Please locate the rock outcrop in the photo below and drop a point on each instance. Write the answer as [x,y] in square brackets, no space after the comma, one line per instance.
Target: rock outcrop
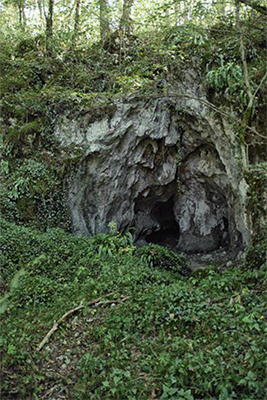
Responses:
[168,167]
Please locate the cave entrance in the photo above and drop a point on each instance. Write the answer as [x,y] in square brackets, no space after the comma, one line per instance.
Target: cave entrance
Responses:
[167,231]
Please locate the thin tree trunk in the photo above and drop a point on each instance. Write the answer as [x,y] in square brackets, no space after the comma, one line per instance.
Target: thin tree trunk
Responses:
[49,20]
[22,16]
[255,5]
[248,87]
[77,17]
[104,20]
[49,26]
[126,22]
[41,10]
[176,13]
[42,2]
[77,5]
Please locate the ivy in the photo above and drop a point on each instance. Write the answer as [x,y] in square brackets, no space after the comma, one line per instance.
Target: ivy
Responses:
[194,337]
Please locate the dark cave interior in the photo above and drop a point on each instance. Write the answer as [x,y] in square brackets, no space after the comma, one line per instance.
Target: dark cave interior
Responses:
[156,223]
[166,231]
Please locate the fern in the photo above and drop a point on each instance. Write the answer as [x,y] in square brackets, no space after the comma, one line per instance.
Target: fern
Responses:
[227,78]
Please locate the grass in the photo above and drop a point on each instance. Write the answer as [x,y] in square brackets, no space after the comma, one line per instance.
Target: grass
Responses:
[176,336]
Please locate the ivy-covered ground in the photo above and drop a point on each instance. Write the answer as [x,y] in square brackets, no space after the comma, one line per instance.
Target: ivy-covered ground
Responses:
[154,330]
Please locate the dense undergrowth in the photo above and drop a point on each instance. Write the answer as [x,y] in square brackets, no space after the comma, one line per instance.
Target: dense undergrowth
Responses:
[177,335]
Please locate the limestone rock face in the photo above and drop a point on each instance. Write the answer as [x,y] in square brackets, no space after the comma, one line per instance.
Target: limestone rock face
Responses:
[169,168]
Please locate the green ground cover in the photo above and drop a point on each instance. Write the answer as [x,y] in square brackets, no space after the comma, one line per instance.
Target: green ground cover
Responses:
[157,331]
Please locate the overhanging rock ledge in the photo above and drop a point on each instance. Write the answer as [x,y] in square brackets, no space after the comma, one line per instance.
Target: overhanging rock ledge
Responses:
[168,168]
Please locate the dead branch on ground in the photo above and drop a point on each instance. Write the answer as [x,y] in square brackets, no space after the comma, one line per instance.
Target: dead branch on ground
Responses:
[95,302]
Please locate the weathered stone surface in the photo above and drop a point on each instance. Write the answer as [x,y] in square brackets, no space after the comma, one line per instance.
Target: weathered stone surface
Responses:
[169,168]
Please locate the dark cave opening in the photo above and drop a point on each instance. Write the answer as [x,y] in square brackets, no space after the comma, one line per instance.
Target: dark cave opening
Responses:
[158,218]
[224,234]
[168,232]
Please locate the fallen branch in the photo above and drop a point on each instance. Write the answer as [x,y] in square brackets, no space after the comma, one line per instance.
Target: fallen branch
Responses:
[94,302]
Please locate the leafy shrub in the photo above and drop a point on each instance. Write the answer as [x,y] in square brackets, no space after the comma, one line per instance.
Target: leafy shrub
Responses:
[20,246]
[228,79]
[56,254]
[256,254]
[256,177]
[33,290]
[29,189]
[113,243]
[161,257]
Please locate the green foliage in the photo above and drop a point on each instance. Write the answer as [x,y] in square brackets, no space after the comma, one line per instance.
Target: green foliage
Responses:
[256,253]
[113,243]
[161,257]
[27,190]
[195,338]
[228,79]
[201,355]
[21,246]
[186,37]
[256,177]
[14,285]
[33,290]
[228,76]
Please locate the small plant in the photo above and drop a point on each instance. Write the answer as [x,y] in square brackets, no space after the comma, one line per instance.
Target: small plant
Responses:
[30,189]
[114,243]
[256,254]
[228,79]
[161,257]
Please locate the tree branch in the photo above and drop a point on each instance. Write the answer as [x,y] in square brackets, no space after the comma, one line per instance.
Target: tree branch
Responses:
[260,84]
[95,302]
[255,5]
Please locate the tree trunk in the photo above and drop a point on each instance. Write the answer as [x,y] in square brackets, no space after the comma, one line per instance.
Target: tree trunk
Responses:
[41,10]
[248,112]
[49,26]
[104,20]
[77,17]
[76,26]
[126,22]
[255,5]
[42,2]
[176,13]
[22,15]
